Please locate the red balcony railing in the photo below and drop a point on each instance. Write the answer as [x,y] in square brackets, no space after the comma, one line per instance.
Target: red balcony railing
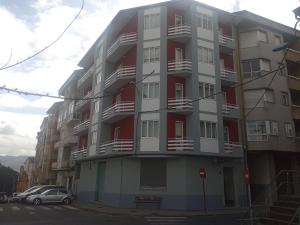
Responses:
[180,144]
[123,72]
[116,146]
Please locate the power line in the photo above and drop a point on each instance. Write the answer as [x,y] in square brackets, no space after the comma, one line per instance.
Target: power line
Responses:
[47,46]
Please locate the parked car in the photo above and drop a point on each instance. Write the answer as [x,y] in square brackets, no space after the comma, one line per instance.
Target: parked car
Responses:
[54,195]
[3,197]
[37,190]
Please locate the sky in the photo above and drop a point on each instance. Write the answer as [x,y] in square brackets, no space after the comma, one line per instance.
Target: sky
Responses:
[29,25]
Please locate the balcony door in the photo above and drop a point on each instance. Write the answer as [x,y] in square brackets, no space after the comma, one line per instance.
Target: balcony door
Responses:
[117,133]
[226,135]
[118,99]
[179,129]
[178,20]
[178,54]
[179,90]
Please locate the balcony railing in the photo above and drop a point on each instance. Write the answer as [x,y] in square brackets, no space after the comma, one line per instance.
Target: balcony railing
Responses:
[227,108]
[70,140]
[81,126]
[224,39]
[294,82]
[179,30]
[180,66]
[232,146]
[180,104]
[116,146]
[79,154]
[121,107]
[124,39]
[85,76]
[83,101]
[228,74]
[123,72]
[180,144]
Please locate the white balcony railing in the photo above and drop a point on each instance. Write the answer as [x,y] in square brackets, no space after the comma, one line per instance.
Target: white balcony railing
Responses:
[85,76]
[227,108]
[83,101]
[81,126]
[177,66]
[180,104]
[180,144]
[224,39]
[232,146]
[79,154]
[227,73]
[122,145]
[122,40]
[121,107]
[122,72]
[179,30]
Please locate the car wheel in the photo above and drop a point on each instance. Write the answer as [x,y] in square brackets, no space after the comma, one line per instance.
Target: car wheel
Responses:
[67,201]
[37,201]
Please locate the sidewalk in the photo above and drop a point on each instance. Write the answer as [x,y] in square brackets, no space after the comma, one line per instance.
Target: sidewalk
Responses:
[98,207]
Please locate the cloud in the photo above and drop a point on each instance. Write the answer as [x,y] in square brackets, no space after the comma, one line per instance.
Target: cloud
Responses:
[7,130]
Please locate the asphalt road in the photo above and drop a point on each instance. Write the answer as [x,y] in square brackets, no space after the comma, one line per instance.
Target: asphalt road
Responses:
[23,214]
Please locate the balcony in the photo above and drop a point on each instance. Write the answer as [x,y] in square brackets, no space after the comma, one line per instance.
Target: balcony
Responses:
[184,66]
[296,112]
[70,141]
[86,99]
[180,144]
[120,46]
[232,147]
[182,105]
[85,77]
[228,76]
[230,111]
[72,118]
[181,33]
[124,146]
[120,77]
[118,111]
[294,82]
[81,127]
[79,154]
[226,41]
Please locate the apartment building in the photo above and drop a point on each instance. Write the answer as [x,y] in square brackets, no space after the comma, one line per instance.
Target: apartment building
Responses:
[270,103]
[29,169]
[147,119]
[46,154]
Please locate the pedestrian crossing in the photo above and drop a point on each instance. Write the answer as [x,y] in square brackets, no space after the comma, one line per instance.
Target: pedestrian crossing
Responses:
[31,210]
[167,220]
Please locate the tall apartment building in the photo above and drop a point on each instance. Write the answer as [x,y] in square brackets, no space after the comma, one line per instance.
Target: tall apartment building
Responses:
[148,134]
[46,154]
[29,169]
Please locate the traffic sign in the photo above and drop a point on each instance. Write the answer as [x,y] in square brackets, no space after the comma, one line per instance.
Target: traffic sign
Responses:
[202,173]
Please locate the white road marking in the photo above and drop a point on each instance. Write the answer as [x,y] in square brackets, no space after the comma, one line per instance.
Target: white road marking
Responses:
[30,207]
[45,207]
[70,207]
[1,209]
[15,208]
[57,207]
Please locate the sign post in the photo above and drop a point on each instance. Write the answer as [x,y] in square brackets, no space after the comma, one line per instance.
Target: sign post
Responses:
[202,174]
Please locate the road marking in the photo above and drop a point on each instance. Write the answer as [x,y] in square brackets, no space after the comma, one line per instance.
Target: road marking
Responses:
[31,213]
[45,207]
[70,207]
[1,209]
[15,208]
[57,207]
[30,208]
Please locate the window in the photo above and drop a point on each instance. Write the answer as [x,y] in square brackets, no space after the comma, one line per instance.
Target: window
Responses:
[285,98]
[204,21]
[269,96]
[178,20]
[62,191]
[117,133]
[179,90]
[96,107]
[150,90]
[179,129]
[149,128]
[226,135]
[288,129]
[277,40]
[52,192]
[94,137]
[254,68]
[151,21]
[257,131]
[262,36]
[273,128]
[153,173]
[151,54]
[205,55]
[208,129]
[206,90]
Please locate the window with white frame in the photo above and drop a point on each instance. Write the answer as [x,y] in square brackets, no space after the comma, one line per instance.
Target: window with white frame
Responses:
[269,96]
[150,90]
[204,21]
[205,55]
[151,21]
[262,36]
[150,128]
[94,137]
[179,90]
[151,54]
[71,107]
[208,129]
[285,98]
[288,129]
[206,90]
[257,131]
[179,129]
[96,106]
[277,40]
[178,20]
[253,68]
[273,128]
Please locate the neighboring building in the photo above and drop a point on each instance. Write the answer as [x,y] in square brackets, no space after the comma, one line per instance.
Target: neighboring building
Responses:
[29,169]
[46,154]
[8,180]
[22,183]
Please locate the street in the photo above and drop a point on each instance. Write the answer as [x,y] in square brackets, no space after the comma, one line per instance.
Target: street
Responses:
[23,214]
